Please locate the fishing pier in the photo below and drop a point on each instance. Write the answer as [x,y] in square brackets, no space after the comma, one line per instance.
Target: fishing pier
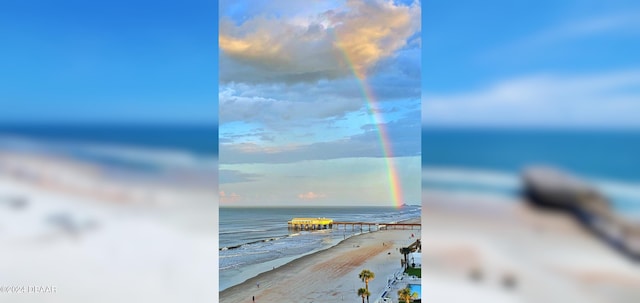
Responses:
[310,223]
[325,223]
[376,225]
[550,188]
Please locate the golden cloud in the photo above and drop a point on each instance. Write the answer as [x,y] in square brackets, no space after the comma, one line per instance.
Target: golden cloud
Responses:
[332,44]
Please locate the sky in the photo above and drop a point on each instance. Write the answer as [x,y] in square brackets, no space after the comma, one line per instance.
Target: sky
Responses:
[304,88]
[531,64]
[134,61]
[319,102]
[560,63]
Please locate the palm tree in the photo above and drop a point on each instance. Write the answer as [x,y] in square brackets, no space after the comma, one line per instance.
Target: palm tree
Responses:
[363,292]
[406,295]
[405,251]
[366,276]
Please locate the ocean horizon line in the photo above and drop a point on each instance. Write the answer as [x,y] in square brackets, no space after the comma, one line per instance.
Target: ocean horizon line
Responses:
[312,206]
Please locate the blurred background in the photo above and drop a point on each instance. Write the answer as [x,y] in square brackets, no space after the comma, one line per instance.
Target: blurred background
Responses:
[108,151]
[531,179]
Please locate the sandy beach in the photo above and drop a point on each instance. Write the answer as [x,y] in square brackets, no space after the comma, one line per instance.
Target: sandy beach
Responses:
[65,224]
[474,244]
[330,275]
[69,226]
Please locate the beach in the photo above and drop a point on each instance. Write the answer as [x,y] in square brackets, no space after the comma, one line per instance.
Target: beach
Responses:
[70,226]
[485,248]
[330,275]
[251,247]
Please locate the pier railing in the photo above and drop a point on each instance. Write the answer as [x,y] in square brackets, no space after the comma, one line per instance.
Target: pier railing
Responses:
[379,226]
[325,223]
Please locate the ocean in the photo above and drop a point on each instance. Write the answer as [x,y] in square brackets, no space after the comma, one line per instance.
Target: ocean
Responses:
[176,157]
[197,139]
[158,152]
[454,160]
[490,161]
[146,151]
[253,240]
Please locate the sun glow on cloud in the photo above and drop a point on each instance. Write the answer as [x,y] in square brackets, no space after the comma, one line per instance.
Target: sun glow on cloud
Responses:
[291,97]
[366,31]
[228,198]
[374,32]
[311,196]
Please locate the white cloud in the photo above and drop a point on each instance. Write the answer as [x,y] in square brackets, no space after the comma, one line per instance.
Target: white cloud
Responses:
[619,23]
[327,46]
[239,102]
[599,100]
[403,135]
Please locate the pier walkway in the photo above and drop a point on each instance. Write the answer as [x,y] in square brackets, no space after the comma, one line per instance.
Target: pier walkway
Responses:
[326,223]
[336,225]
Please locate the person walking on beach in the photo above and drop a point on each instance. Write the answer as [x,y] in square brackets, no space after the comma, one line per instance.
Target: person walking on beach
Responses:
[253,298]
[258,285]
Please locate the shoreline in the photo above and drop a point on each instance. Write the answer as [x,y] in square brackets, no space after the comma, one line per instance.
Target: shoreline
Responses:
[277,263]
[263,267]
[358,251]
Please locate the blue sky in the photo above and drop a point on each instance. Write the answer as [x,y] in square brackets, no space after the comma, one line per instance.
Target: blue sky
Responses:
[295,125]
[145,60]
[556,64]
[108,61]
[285,103]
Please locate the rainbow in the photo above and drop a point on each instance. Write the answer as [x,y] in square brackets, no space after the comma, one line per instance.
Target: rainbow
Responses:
[395,188]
